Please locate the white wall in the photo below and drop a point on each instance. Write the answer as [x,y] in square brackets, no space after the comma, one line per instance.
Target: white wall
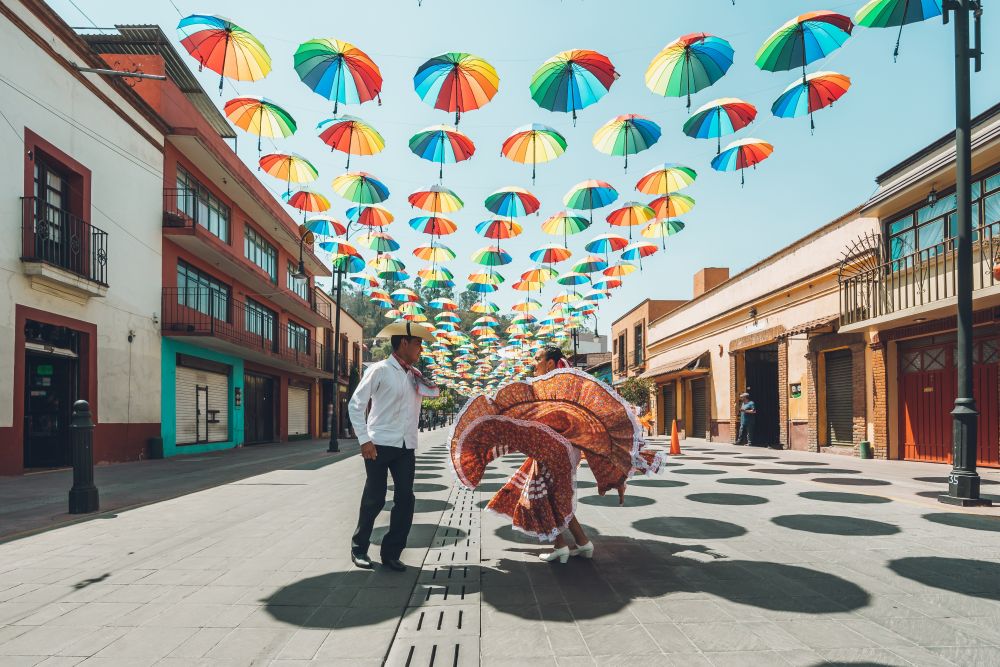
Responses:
[126,195]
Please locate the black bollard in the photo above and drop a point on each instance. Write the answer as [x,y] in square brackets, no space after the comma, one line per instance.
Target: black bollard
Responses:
[83,496]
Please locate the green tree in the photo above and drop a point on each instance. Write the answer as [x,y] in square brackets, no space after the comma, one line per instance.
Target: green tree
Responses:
[636,390]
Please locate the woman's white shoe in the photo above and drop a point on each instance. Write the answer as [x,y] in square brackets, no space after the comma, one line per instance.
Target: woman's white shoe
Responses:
[561,554]
[586,551]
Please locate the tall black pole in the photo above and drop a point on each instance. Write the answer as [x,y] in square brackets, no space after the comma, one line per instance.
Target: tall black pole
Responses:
[335,416]
[963,482]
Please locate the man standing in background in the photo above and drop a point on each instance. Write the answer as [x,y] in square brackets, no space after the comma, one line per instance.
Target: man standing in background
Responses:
[748,414]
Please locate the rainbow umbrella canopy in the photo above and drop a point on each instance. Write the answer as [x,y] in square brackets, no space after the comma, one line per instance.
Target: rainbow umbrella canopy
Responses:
[718,118]
[338,71]
[666,178]
[671,205]
[564,224]
[224,47]
[371,215]
[491,256]
[325,225]
[260,116]
[436,199]
[589,195]
[631,214]
[442,144]
[456,82]
[572,80]
[534,144]
[818,91]
[288,167]
[626,135]
[893,13]
[361,188]
[498,229]
[350,135]
[511,202]
[308,201]
[688,64]
[742,154]
[803,40]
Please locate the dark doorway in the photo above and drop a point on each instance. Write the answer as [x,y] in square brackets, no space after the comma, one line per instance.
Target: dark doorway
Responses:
[50,389]
[669,409]
[839,398]
[699,408]
[762,384]
[258,409]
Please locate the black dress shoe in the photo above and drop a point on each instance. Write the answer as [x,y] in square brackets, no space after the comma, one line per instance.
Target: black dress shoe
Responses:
[362,561]
[394,564]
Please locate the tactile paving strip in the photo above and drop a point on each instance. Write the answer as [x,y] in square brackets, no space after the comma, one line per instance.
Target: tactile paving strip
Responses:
[441,624]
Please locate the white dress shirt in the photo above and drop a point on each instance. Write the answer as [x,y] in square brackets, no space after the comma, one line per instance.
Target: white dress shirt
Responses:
[395,406]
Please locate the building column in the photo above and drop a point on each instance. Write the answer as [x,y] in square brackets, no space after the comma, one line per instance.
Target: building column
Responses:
[783,435]
[812,401]
[734,393]
[859,424]
[880,402]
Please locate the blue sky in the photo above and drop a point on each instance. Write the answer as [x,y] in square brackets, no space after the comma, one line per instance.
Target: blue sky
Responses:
[891,111]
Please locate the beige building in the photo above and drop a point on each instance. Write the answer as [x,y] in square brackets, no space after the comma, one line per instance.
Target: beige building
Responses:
[628,337]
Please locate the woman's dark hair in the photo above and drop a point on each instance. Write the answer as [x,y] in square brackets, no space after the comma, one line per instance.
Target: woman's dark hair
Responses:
[552,353]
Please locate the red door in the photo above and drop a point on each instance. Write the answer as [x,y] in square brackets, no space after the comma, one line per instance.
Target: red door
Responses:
[927,389]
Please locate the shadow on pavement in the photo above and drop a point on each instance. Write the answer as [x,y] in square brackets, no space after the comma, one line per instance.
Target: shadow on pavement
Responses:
[611,500]
[830,524]
[750,481]
[980,579]
[852,481]
[840,497]
[656,483]
[698,471]
[421,534]
[944,480]
[727,499]
[970,521]
[689,528]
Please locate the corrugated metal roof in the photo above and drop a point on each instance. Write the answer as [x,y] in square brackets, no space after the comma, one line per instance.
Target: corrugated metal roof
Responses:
[148,40]
[811,325]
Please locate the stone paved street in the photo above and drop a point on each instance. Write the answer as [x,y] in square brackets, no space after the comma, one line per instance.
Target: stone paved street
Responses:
[733,556]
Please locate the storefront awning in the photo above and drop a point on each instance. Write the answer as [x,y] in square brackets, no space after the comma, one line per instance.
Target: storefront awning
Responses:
[812,325]
[695,363]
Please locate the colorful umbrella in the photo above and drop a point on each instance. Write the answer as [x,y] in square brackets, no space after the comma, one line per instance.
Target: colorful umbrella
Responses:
[610,283]
[550,253]
[361,188]
[589,195]
[661,229]
[434,225]
[720,117]
[535,144]
[485,307]
[442,144]
[572,80]
[619,270]
[526,306]
[631,214]
[486,278]
[350,135]
[456,82]
[260,116]
[512,202]
[606,243]
[289,167]
[443,303]
[378,241]
[563,224]
[347,263]
[742,154]
[590,264]
[339,248]
[404,295]
[373,215]
[804,39]
[892,13]
[338,71]
[430,252]
[224,47]
[369,281]
[491,256]
[573,278]
[308,201]
[671,205]
[638,250]
[498,229]
[325,225]
[666,178]
[626,135]
[818,91]
[689,64]
[436,199]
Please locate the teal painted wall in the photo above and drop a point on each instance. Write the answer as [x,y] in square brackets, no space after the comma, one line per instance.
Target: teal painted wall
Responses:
[168,398]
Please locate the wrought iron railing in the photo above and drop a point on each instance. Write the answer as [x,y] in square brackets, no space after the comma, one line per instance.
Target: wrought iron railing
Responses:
[918,279]
[207,312]
[55,236]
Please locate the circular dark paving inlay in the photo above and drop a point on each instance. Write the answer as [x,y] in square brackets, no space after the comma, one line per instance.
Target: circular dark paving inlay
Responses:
[750,481]
[830,524]
[656,483]
[732,463]
[697,458]
[778,471]
[758,457]
[689,527]
[971,521]
[727,499]
[495,475]
[802,463]
[840,497]
[698,471]
[611,500]
[851,481]
[944,480]
[428,488]
[428,475]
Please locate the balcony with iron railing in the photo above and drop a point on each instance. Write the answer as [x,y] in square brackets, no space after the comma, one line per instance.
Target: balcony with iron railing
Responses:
[185,223]
[236,328]
[918,283]
[60,247]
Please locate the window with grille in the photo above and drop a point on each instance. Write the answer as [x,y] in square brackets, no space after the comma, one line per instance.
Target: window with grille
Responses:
[639,350]
[260,252]
[199,204]
[298,285]
[202,292]
[298,337]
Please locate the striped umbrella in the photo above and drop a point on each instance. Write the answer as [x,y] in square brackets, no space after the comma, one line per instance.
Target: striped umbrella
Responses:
[378,241]
[626,135]
[260,116]
[572,80]
[436,199]
[818,91]
[442,144]
[224,47]
[350,135]
[534,144]
[671,205]
[892,13]
[689,64]
[742,154]
[589,195]
[720,117]
[666,178]
[288,167]
[802,40]
[456,82]
[361,188]
[338,71]
[511,202]
[631,214]
[325,225]
[372,215]
[661,229]
[563,224]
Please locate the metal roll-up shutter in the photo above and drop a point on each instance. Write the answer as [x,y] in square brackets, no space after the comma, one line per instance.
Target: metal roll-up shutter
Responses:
[699,409]
[669,407]
[298,411]
[202,406]
[839,398]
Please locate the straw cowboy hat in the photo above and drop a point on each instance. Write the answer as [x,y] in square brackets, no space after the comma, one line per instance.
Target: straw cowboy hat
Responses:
[412,329]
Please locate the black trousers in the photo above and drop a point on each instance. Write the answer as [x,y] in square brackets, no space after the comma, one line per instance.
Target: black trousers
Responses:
[401,463]
[746,432]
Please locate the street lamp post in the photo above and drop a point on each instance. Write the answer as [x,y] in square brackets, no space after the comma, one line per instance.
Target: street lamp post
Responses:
[963,482]
[335,415]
